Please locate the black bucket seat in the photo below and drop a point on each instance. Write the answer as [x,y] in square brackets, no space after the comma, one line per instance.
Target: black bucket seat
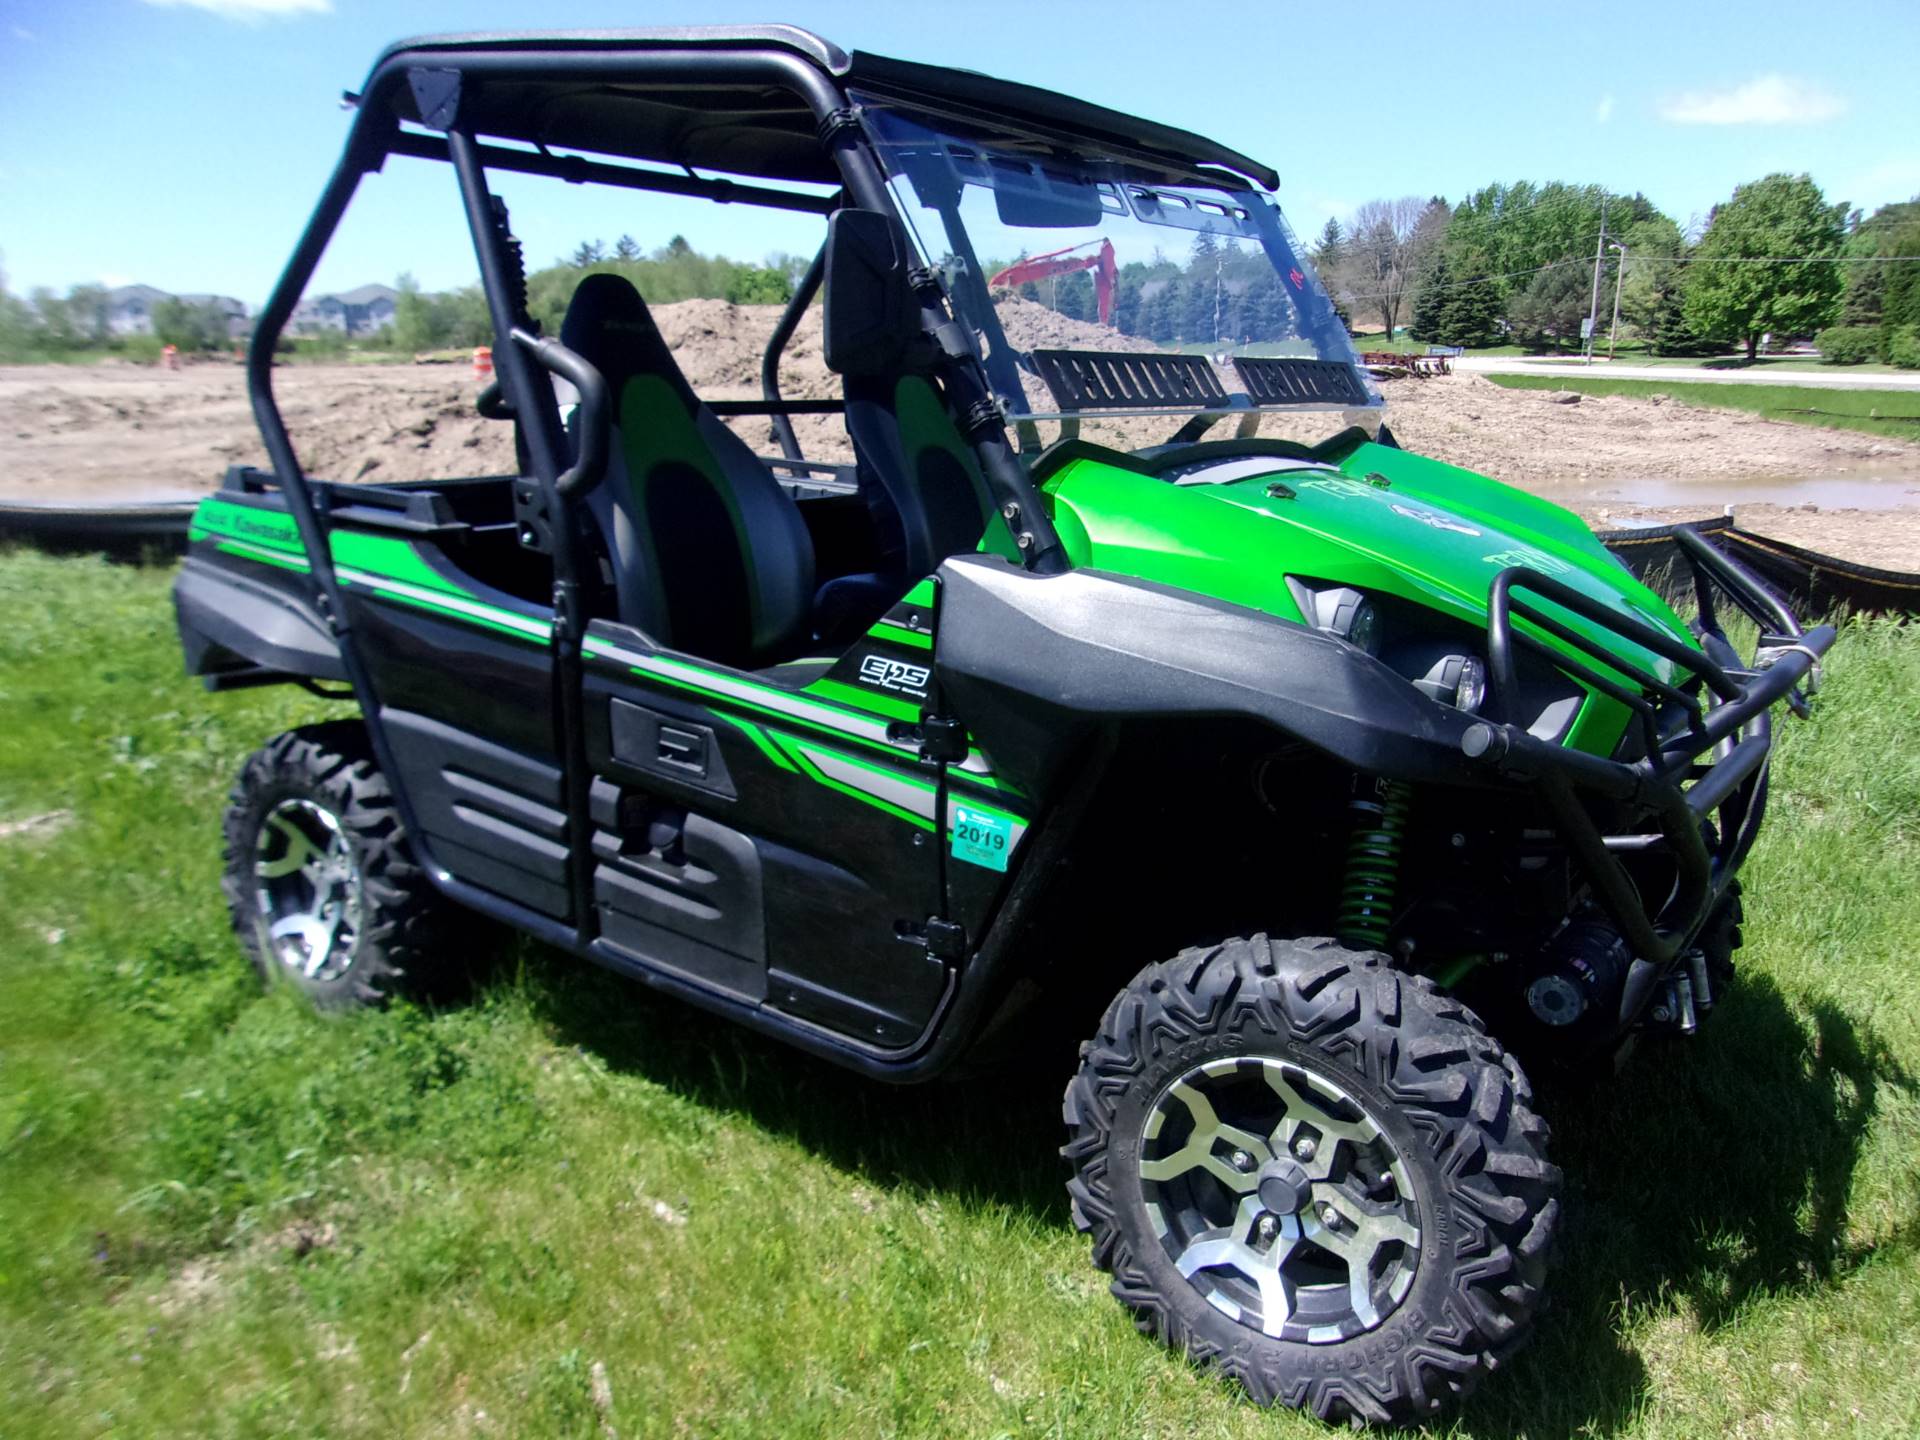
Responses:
[709,553]
[926,493]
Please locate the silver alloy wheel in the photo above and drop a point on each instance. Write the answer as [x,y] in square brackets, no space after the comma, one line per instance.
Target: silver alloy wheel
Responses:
[308,888]
[1280,1199]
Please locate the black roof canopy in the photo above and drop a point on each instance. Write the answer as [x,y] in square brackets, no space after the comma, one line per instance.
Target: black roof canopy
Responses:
[520,85]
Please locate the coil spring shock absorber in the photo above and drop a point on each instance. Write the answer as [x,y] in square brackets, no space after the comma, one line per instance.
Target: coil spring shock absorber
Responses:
[1379,811]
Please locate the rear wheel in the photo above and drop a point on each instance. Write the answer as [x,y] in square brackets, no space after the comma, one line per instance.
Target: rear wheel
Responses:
[1315,1173]
[322,887]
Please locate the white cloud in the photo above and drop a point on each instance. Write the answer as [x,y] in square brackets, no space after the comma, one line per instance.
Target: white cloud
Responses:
[1763,100]
[1603,112]
[250,10]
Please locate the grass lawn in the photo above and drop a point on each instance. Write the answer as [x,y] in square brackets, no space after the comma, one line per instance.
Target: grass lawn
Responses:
[1785,363]
[223,1215]
[1891,414]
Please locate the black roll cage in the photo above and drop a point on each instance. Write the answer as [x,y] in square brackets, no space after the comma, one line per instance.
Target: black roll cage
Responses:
[523,359]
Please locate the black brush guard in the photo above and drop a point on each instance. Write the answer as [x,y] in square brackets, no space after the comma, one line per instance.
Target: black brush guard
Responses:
[1702,775]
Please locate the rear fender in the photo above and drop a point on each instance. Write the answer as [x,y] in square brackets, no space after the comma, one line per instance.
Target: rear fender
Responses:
[234,625]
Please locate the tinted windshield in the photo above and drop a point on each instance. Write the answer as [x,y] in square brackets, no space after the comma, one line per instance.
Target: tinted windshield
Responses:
[1058,262]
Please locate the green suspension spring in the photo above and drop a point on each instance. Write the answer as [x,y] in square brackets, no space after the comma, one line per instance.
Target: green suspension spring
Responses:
[1379,810]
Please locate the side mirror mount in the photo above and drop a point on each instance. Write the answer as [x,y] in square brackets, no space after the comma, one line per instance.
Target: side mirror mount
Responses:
[871,316]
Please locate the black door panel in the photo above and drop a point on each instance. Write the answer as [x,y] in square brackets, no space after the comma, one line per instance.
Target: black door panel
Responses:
[491,814]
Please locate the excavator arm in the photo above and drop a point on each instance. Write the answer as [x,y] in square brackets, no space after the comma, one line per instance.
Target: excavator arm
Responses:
[1067,261]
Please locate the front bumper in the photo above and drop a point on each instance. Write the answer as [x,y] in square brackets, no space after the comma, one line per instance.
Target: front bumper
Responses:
[1703,775]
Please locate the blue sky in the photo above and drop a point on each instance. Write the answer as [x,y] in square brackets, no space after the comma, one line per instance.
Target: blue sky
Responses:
[182,143]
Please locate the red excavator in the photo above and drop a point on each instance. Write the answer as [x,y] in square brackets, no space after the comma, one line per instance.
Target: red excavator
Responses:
[1062,262]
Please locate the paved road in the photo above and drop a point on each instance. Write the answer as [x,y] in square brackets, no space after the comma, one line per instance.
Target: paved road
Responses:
[1764,375]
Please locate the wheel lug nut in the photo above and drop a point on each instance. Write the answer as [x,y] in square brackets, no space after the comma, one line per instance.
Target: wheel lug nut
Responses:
[1267,1227]
[1304,1147]
[1329,1217]
[1242,1160]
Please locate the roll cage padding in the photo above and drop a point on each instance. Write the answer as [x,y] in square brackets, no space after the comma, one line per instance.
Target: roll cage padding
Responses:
[708,550]
[1028,663]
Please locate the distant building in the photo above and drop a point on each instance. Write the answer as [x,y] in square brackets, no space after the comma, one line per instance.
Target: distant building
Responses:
[360,311]
[130,309]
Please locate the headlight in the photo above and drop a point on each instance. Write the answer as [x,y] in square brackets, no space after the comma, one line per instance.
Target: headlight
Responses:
[1471,693]
[1347,614]
[1456,680]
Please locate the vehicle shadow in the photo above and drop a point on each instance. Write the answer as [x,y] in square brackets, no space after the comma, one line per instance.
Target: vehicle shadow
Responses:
[1710,1174]
[991,1138]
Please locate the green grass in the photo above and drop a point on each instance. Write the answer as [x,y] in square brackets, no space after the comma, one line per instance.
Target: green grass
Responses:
[1763,363]
[222,1215]
[1891,414]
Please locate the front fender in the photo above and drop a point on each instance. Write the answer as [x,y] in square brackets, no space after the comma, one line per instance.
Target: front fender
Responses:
[1030,662]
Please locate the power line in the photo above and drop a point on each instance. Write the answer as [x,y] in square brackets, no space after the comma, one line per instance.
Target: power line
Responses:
[1785,259]
[1658,260]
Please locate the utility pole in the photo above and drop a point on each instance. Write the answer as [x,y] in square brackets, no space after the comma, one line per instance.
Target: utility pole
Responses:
[1599,249]
[1619,277]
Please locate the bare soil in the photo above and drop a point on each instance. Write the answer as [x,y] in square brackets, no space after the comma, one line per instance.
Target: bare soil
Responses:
[115,432]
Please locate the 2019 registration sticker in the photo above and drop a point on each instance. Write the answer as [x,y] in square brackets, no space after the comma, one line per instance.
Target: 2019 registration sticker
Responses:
[981,838]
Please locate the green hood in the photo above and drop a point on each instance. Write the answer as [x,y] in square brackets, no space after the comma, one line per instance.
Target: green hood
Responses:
[1381,520]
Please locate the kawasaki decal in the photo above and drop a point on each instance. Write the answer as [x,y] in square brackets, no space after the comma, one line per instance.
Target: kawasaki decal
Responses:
[269,537]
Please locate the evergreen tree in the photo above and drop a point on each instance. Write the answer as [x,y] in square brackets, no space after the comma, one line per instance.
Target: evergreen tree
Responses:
[1470,314]
[626,248]
[1326,250]
[1672,335]
[1430,301]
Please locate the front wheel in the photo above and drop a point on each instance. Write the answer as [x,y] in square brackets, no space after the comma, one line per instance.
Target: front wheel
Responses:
[1315,1173]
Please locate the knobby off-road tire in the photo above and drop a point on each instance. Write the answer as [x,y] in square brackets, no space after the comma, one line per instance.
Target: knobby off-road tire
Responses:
[1383,1070]
[315,850]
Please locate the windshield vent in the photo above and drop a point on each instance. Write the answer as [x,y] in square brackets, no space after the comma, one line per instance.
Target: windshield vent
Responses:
[1299,382]
[1122,380]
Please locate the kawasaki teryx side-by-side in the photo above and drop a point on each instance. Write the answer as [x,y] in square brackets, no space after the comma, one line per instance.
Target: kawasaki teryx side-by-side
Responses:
[885,757]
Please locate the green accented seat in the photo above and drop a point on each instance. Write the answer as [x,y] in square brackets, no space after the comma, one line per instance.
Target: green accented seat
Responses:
[709,553]
[928,497]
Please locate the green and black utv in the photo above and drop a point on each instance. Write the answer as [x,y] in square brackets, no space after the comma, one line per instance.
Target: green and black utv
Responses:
[1336,775]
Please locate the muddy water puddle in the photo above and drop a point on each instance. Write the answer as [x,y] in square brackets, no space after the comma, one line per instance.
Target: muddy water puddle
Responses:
[1892,488]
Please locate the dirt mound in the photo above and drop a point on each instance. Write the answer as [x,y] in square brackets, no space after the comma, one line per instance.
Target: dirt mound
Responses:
[134,432]
[1031,326]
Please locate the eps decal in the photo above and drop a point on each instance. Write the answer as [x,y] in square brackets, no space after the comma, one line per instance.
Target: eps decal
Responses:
[895,675]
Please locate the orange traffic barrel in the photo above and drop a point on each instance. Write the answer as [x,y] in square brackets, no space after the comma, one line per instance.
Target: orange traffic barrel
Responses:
[483,362]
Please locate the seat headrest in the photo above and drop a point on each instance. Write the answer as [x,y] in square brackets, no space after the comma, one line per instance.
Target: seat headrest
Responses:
[609,326]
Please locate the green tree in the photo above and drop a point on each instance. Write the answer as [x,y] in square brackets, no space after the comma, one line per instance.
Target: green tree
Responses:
[626,248]
[1470,314]
[1671,334]
[754,286]
[1430,299]
[1654,247]
[1766,263]
[19,326]
[190,327]
[414,325]
[1552,305]
[587,252]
